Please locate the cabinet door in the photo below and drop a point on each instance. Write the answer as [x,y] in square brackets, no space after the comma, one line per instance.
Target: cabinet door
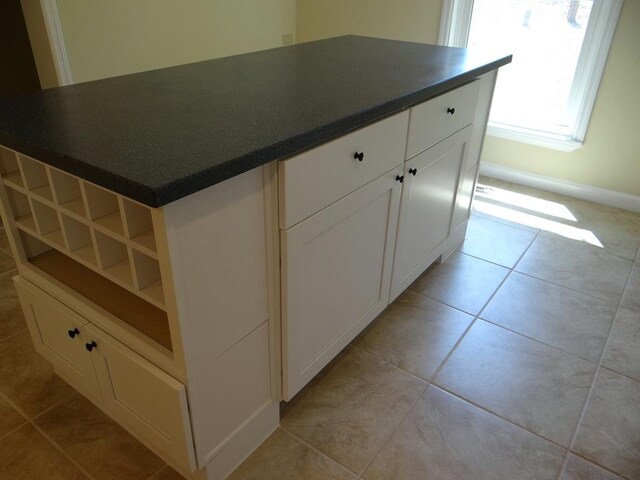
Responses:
[336,276]
[426,207]
[146,401]
[59,335]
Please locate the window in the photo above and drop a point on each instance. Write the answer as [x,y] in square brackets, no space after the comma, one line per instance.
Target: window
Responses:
[559,47]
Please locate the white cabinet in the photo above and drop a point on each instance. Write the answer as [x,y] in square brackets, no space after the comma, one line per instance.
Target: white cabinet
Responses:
[142,398]
[148,402]
[336,274]
[426,208]
[59,335]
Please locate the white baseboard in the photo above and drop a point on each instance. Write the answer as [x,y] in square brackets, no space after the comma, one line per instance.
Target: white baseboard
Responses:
[563,187]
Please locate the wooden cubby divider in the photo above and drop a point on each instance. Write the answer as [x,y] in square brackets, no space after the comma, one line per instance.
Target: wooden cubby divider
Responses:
[66,191]
[101,230]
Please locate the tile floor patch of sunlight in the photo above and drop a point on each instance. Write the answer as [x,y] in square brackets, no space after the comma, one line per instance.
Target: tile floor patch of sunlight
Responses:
[525,201]
[536,205]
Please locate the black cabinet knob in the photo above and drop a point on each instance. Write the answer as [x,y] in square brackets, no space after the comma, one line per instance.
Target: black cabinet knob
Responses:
[451,110]
[359,156]
[400,178]
[73,333]
[413,171]
[91,346]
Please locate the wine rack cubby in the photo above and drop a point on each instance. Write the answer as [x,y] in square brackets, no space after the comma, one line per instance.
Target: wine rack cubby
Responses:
[101,230]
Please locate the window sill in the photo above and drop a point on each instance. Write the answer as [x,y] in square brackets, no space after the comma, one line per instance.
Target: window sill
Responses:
[546,140]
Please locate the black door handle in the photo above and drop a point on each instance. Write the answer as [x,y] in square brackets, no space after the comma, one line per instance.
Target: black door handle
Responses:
[359,156]
[91,346]
[73,333]
[451,110]
[413,171]
[400,178]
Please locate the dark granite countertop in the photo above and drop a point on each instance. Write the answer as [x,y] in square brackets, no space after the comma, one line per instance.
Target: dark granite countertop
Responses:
[161,135]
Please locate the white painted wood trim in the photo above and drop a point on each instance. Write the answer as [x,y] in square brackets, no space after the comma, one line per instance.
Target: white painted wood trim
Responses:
[531,137]
[563,187]
[56,41]
[455,23]
[592,62]
[445,22]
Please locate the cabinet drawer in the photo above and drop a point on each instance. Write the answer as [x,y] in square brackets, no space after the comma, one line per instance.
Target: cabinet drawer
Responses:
[59,335]
[319,177]
[146,401]
[441,117]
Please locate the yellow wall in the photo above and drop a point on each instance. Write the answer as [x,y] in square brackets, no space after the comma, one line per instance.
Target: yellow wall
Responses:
[39,40]
[105,38]
[413,20]
[610,156]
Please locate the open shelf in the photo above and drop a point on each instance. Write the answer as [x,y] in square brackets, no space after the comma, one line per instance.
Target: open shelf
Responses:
[48,223]
[147,276]
[113,258]
[35,178]
[104,209]
[66,189]
[105,232]
[78,239]
[139,226]
[9,168]
[139,314]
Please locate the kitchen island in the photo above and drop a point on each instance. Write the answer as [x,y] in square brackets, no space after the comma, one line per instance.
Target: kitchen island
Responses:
[195,243]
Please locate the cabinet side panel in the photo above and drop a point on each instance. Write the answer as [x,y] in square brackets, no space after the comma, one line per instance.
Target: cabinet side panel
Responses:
[217,248]
[226,395]
[483,108]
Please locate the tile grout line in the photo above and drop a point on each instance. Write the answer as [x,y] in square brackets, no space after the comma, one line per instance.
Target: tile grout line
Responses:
[590,392]
[14,334]
[429,383]
[444,361]
[61,450]
[497,415]
[324,455]
[609,302]
[393,431]
[10,432]
[48,439]
[159,470]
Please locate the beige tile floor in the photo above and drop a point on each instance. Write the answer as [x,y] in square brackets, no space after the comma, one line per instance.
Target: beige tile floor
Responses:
[518,358]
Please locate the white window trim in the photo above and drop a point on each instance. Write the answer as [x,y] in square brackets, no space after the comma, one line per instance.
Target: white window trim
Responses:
[454,32]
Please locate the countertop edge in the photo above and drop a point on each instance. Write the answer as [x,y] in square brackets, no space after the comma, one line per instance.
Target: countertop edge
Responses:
[183,187]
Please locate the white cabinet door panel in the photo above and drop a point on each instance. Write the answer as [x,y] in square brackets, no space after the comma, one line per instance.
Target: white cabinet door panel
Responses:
[59,335]
[336,276]
[145,400]
[426,207]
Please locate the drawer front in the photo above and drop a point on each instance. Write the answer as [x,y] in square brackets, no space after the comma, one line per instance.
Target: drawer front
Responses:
[319,177]
[59,335]
[146,401]
[441,117]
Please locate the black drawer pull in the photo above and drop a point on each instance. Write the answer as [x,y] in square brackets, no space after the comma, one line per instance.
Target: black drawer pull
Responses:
[73,333]
[91,346]
[359,156]
[400,178]
[413,171]
[451,110]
